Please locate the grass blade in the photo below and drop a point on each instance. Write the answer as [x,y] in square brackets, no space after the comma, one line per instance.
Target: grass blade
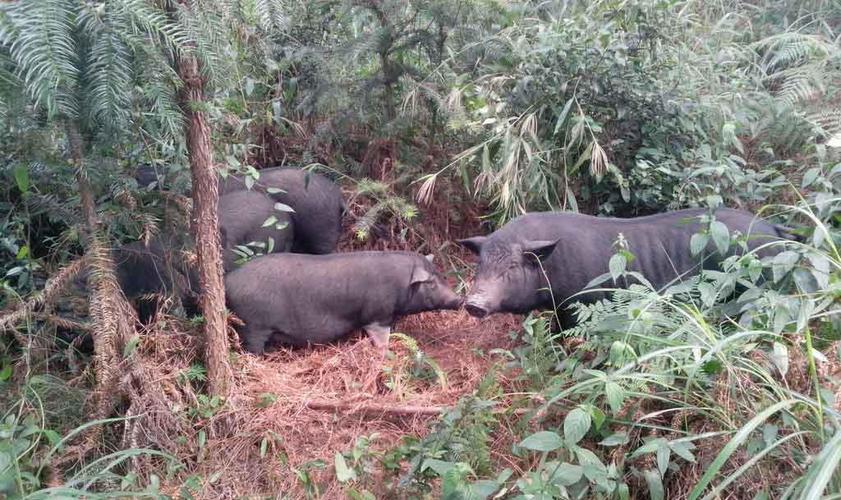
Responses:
[734,443]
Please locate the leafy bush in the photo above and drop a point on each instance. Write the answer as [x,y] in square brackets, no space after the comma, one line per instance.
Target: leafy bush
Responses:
[632,107]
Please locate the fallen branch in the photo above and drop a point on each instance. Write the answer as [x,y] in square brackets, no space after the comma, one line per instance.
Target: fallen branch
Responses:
[379,409]
[375,408]
[65,323]
[46,296]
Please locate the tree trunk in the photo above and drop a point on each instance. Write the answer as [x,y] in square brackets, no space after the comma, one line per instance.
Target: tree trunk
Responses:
[205,225]
[112,317]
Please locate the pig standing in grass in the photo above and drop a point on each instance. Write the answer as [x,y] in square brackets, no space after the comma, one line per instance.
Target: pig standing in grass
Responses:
[249,216]
[541,259]
[313,299]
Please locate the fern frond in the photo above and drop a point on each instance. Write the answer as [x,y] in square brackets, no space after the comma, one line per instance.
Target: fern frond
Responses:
[790,48]
[109,84]
[799,84]
[39,35]
[146,19]
[271,14]
[205,25]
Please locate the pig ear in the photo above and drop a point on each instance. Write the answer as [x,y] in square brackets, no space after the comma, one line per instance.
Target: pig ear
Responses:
[540,248]
[473,244]
[420,275]
[430,257]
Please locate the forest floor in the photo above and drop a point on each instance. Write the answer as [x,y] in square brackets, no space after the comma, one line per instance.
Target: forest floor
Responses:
[293,410]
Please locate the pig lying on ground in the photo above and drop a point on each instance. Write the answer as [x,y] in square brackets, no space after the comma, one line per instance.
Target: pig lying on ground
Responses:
[317,202]
[242,220]
[305,299]
[570,250]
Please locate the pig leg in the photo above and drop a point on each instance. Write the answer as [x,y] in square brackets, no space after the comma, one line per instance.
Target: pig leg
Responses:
[379,334]
[254,339]
[379,337]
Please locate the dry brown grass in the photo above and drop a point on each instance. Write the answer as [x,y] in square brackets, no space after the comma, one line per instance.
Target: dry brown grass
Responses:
[306,404]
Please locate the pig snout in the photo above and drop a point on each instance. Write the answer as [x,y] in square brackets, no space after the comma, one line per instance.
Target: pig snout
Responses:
[479,304]
[476,310]
[454,302]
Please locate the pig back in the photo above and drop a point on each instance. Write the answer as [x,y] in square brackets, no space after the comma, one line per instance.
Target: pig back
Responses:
[317,202]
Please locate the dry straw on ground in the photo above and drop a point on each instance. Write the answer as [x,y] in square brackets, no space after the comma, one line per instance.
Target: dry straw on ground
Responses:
[292,407]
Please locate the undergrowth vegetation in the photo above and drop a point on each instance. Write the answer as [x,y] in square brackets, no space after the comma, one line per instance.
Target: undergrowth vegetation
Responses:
[440,119]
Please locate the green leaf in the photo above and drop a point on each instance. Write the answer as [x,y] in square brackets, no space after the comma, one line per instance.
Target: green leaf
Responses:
[562,117]
[283,207]
[617,439]
[698,242]
[486,159]
[783,263]
[565,474]
[616,265]
[274,190]
[544,441]
[23,253]
[439,466]
[131,346]
[576,425]
[6,373]
[709,293]
[22,178]
[272,220]
[266,399]
[615,396]
[721,236]
[623,492]
[360,495]
[780,358]
[649,447]
[823,469]
[587,457]
[343,472]
[682,449]
[810,176]
[597,415]
[52,436]
[664,453]
[655,485]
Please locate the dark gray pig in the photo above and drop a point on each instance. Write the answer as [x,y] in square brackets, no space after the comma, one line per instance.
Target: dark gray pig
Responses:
[242,220]
[317,202]
[144,271]
[574,249]
[301,299]
[145,175]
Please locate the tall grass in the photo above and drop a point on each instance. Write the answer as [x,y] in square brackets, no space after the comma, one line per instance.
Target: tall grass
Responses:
[37,461]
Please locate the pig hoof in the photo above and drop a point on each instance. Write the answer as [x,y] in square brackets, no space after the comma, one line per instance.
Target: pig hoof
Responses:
[379,334]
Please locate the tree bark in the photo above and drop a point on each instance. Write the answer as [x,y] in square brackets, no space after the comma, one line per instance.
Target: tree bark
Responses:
[205,225]
[112,318]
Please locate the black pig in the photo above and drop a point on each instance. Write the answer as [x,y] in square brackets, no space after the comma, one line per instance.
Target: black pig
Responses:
[304,299]
[242,220]
[145,271]
[317,202]
[570,250]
